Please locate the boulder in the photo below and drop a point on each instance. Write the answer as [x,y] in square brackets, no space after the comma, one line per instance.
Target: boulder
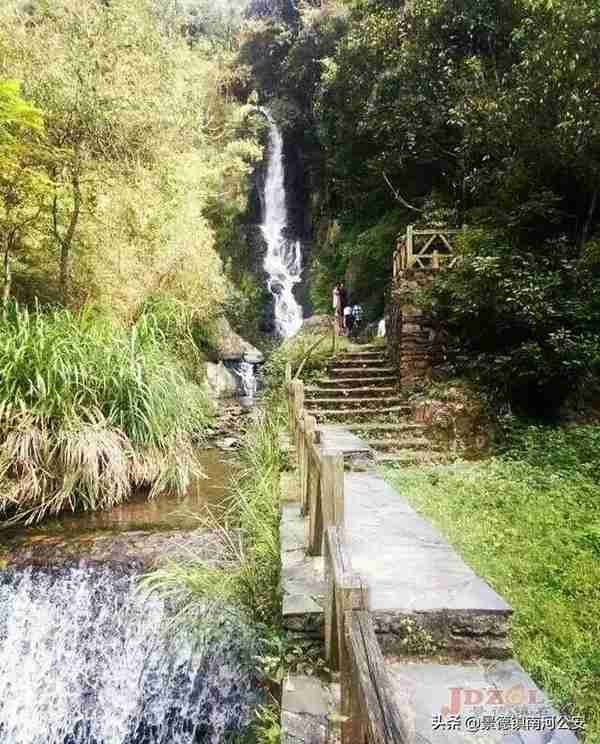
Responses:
[222,383]
[230,345]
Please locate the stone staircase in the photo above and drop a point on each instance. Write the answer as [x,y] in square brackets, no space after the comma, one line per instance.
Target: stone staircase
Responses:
[361,393]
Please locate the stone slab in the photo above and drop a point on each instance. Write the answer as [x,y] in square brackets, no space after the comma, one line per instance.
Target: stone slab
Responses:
[339,439]
[290,487]
[306,706]
[411,571]
[302,576]
[479,703]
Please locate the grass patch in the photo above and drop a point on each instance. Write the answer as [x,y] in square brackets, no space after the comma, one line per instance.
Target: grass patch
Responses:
[89,411]
[308,352]
[528,521]
[244,580]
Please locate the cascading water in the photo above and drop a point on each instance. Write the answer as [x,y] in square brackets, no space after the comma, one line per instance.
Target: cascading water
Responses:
[247,376]
[283,260]
[85,659]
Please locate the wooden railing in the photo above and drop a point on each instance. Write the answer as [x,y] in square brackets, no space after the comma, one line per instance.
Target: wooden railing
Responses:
[370,714]
[424,249]
[321,473]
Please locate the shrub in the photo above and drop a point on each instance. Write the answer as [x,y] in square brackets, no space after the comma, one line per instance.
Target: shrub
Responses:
[89,410]
[521,322]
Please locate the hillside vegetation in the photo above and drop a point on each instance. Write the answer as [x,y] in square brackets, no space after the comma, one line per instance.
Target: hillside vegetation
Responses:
[124,156]
[455,112]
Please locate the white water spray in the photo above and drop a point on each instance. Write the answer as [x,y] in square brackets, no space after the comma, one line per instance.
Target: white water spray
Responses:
[283,261]
[248,379]
[85,659]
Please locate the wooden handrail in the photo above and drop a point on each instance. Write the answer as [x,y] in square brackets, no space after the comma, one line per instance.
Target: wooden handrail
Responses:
[369,710]
[374,717]
[409,255]
[321,473]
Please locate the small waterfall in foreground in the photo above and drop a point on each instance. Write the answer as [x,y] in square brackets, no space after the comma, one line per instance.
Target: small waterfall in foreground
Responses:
[245,372]
[283,261]
[85,659]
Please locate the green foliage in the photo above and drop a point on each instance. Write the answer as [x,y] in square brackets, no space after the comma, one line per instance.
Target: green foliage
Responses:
[143,179]
[308,353]
[89,410]
[527,521]
[524,323]
[458,112]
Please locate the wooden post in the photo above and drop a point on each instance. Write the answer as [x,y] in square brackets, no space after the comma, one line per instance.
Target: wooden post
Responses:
[435,260]
[409,246]
[315,512]
[344,592]
[332,489]
[310,425]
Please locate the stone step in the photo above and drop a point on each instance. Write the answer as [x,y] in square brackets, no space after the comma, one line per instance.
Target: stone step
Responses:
[385,428]
[373,401]
[357,382]
[341,364]
[374,356]
[403,443]
[349,393]
[366,349]
[365,372]
[360,414]
[416,580]
[471,694]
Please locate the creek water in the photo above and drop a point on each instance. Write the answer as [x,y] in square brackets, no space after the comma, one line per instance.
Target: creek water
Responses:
[283,259]
[87,658]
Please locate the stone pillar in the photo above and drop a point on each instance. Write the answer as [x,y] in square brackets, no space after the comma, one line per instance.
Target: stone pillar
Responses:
[413,343]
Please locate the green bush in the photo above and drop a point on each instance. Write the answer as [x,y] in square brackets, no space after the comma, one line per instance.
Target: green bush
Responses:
[523,323]
[308,353]
[89,410]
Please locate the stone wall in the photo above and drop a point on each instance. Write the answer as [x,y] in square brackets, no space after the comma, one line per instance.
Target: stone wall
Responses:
[414,344]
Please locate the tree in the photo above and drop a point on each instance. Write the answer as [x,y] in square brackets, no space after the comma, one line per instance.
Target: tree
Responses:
[24,186]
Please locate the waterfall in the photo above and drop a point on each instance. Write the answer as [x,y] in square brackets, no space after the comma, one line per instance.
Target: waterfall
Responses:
[283,260]
[247,376]
[85,659]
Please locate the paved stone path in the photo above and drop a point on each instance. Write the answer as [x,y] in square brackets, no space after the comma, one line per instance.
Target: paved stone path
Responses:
[444,632]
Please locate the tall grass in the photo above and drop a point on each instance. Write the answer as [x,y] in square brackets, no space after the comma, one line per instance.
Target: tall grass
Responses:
[244,578]
[89,410]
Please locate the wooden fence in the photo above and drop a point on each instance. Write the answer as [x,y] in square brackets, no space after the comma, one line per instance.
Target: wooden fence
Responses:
[321,473]
[424,249]
[370,714]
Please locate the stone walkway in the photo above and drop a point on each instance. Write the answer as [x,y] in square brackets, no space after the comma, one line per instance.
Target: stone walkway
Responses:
[444,632]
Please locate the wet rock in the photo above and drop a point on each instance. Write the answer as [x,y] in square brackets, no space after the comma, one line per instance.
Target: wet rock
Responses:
[222,383]
[230,345]
[227,443]
[140,549]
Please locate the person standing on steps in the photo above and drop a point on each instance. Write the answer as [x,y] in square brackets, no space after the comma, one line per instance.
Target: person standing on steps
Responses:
[344,296]
[338,309]
[348,319]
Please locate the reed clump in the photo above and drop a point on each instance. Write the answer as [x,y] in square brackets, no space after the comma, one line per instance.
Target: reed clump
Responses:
[243,580]
[90,410]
